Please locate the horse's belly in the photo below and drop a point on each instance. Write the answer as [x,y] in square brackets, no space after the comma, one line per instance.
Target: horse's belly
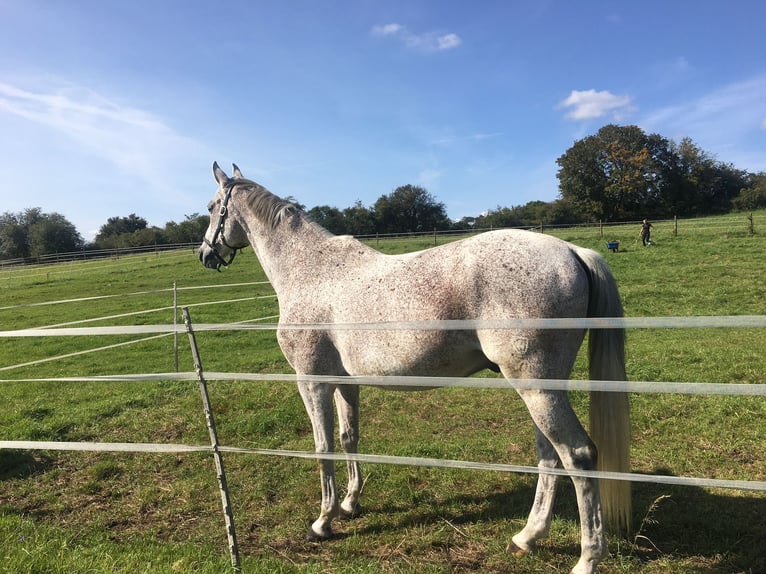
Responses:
[411,353]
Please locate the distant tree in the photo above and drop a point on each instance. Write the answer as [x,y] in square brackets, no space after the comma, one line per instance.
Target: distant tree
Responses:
[410,208]
[496,218]
[13,237]
[754,195]
[147,236]
[679,194]
[692,166]
[722,188]
[113,234]
[53,233]
[359,219]
[32,233]
[534,212]
[120,225]
[190,230]
[465,222]
[562,212]
[331,218]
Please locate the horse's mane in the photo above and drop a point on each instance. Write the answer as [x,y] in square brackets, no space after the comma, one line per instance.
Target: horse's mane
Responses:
[270,209]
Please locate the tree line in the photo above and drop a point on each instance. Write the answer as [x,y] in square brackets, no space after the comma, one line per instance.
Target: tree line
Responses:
[618,174]
[31,234]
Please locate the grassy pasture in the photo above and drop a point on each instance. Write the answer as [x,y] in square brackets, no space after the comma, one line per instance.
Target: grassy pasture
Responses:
[67,512]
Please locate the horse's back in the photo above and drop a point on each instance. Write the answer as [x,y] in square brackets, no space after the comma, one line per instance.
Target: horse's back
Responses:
[504,274]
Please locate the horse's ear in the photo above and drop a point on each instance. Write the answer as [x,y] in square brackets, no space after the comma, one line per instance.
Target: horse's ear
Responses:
[237,173]
[219,175]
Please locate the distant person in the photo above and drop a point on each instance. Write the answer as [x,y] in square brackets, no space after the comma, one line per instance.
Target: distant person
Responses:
[646,232]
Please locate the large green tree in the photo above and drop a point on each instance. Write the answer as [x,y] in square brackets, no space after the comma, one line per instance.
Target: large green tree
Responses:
[619,173]
[410,208]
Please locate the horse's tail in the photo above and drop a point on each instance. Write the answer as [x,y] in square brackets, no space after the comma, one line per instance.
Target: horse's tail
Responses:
[609,411]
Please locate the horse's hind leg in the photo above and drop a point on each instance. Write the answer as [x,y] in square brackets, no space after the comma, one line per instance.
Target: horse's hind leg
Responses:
[539,521]
[347,403]
[555,419]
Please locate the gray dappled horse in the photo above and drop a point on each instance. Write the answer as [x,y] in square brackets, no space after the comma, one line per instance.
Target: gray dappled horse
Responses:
[321,278]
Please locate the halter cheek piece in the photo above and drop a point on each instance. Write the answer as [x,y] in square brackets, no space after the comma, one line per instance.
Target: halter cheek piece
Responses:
[218,234]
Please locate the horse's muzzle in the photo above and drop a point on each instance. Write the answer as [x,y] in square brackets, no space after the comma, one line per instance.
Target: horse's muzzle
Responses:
[209,258]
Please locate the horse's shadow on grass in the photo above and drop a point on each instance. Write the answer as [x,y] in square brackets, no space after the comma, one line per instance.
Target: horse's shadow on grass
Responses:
[22,464]
[720,531]
[726,527]
[460,508]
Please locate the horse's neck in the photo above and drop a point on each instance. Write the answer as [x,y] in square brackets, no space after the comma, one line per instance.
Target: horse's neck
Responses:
[288,251]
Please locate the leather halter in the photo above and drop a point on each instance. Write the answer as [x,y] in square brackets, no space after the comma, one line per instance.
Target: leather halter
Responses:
[218,234]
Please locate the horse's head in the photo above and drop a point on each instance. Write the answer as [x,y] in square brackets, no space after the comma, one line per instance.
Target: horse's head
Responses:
[224,235]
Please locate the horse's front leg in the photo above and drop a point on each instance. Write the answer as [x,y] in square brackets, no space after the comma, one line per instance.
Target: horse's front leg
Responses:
[347,402]
[317,398]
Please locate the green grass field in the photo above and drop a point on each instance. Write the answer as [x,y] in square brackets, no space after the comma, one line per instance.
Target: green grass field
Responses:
[77,512]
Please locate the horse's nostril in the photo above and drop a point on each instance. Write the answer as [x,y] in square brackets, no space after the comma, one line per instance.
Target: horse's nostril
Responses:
[204,257]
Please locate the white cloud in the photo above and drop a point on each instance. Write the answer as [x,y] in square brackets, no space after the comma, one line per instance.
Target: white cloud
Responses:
[589,104]
[133,140]
[731,109]
[387,29]
[448,41]
[727,121]
[426,41]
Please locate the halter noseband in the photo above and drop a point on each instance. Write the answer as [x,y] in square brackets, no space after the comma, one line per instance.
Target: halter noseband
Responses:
[218,234]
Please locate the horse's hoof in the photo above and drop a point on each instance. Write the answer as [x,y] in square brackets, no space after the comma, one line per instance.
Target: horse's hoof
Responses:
[350,514]
[312,536]
[517,551]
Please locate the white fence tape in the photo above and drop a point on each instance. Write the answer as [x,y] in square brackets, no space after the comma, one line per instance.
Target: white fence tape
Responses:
[652,387]
[711,322]
[77,353]
[734,321]
[155,310]
[751,485]
[134,293]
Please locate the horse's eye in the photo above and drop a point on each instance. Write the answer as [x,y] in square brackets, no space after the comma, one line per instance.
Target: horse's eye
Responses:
[210,206]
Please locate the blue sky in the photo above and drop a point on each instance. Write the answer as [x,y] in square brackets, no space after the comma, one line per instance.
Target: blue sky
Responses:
[110,108]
